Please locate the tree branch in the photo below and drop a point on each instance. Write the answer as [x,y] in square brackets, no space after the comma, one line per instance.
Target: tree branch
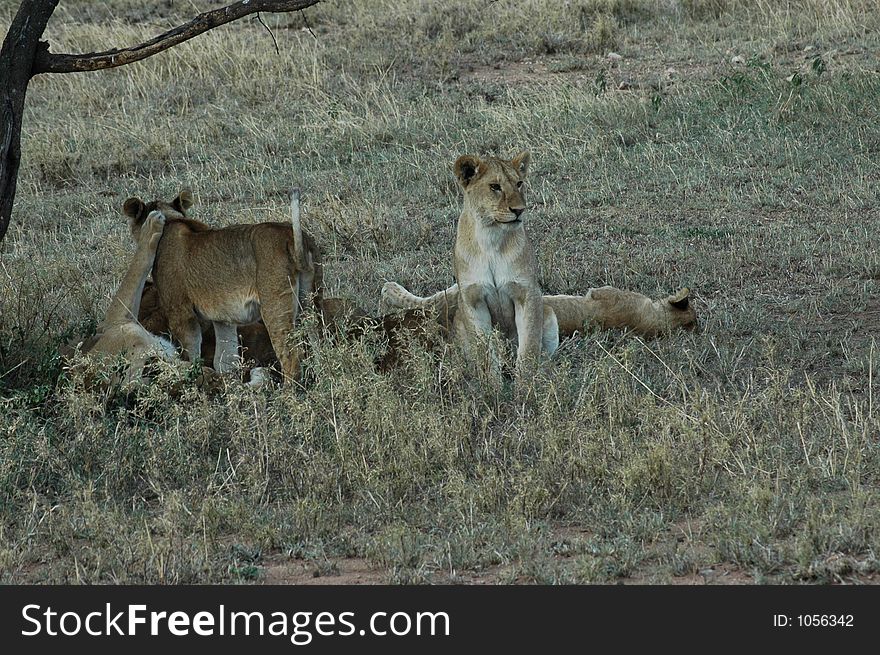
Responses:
[47,62]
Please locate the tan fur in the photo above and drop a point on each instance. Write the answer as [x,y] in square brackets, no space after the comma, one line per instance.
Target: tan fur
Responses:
[604,308]
[231,277]
[120,334]
[495,265]
[256,347]
[607,308]
[340,319]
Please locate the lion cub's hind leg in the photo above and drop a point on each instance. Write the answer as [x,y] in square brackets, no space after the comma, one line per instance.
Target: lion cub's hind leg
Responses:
[396,296]
[187,329]
[279,299]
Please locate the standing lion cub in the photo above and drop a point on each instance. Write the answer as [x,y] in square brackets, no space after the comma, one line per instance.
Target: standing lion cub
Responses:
[231,276]
[495,265]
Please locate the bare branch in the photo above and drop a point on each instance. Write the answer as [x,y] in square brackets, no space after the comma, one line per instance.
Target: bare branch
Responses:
[274,42]
[306,19]
[46,62]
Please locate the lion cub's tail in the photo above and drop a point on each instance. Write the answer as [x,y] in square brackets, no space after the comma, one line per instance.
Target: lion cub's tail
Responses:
[298,251]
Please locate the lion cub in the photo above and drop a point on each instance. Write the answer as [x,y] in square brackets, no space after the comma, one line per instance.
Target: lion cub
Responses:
[494,263]
[608,308]
[605,308]
[120,333]
[231,276]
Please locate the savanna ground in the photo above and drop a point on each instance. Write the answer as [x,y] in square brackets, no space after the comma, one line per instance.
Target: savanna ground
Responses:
[733,149]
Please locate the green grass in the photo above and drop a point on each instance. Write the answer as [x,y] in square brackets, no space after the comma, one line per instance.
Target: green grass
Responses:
[749,447]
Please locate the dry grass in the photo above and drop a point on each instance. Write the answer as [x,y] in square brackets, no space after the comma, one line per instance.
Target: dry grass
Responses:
[750,446]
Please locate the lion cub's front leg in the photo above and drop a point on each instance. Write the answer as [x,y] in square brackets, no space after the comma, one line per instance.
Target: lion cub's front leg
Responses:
[125,306]
[120,333]
[472,327]
[528,306]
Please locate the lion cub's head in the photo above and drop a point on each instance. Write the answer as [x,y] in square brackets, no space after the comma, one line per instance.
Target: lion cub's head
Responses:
[137,210]
[681,313]
[493,188]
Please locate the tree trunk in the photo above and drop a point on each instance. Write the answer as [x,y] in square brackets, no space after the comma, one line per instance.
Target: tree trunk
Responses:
[16,65]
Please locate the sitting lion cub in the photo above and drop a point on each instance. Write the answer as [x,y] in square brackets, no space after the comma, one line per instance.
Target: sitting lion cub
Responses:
[494,263]
[231,276]
[605,308]
[120,333]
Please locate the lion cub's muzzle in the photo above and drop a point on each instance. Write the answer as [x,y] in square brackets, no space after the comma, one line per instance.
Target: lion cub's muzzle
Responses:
[517,216]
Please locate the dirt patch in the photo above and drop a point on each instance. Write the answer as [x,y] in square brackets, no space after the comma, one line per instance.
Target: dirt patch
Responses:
[278,569]
[520,72]
[845,341]
[656,69]
[624,74]
[721,574]
[868,319]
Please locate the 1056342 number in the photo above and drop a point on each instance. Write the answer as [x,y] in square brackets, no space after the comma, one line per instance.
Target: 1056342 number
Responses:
[824,620]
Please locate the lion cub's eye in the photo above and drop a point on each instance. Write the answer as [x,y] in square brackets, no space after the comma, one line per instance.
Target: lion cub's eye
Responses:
[495,187]
[519,184]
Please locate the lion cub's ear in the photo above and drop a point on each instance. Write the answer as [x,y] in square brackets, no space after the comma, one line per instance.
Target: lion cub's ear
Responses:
[183,201]
[521,162]
[135,210]
[681,299]
[467,169]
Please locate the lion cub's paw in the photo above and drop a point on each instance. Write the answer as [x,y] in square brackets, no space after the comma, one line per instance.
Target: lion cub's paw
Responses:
[155,221]
[260,377]
[153,227]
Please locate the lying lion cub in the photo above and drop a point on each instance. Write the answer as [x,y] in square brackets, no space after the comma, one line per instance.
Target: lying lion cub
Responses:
[605,308]
[120,333]
[231,276]
[495,265]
